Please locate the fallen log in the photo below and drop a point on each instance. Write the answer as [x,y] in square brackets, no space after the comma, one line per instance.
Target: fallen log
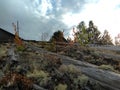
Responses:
[105,78]
[36,87]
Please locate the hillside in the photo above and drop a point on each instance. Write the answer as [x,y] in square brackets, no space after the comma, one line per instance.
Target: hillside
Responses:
[71,67]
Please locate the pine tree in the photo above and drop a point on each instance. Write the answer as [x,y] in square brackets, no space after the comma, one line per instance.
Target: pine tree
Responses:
[86,35]
[93,33]
[106,39]
[82,34]
[58,37]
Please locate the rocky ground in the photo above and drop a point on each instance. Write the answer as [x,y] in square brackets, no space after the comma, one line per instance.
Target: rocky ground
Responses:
[57,68]
[99,57]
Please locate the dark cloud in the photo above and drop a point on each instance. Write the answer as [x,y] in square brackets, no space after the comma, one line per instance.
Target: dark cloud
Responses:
[32,18]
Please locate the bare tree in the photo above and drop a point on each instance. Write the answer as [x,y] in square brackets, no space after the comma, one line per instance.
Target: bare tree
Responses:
[44,36]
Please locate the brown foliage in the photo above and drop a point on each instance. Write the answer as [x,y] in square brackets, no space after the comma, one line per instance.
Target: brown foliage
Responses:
[54,60]
[17,39]
[12,79]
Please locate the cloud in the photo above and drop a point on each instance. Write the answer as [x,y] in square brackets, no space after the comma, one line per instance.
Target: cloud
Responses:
[37,16]
[104,13]
[73,6]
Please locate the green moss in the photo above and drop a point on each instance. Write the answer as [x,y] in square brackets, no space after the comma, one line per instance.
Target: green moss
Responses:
[69,68]
[38,73]
[3,51]
[20,48]
[82,80]
[61,87]
[106,67]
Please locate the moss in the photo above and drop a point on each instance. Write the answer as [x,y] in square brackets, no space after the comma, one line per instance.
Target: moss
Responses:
[106,67]
[82,80]
[61,87]
[20,48]
[3,51]
[37,73]
[44,81]
[69,68]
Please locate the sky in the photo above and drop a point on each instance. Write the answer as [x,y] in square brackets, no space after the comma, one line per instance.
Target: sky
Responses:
[37,17]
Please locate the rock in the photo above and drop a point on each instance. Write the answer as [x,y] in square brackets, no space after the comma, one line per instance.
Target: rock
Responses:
[12,55]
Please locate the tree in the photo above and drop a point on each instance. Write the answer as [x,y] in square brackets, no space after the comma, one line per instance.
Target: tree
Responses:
[106,39]
[58,37]
[44,36]
[82,35]
[86,35]
[17,39]
[93,33]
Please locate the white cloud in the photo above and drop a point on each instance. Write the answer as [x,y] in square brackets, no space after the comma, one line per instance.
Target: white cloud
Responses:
[32,16]
[37,16]
[104,13]
[44,7]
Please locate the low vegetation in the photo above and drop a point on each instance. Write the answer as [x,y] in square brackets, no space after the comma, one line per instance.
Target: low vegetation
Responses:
[45,70]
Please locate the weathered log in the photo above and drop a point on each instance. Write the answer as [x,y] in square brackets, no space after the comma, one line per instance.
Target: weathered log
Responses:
[36,87]
[106,78]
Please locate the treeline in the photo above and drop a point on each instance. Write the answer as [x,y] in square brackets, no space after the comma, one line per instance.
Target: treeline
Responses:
[91,35]
[85,35]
